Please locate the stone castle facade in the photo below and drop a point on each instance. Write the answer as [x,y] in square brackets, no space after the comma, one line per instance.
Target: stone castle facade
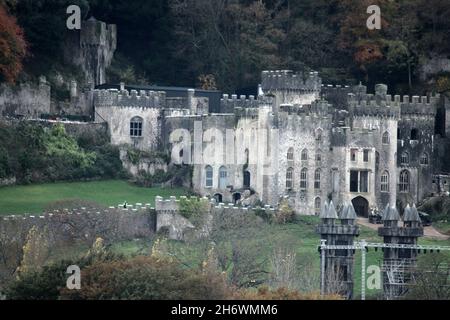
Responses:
[297,139]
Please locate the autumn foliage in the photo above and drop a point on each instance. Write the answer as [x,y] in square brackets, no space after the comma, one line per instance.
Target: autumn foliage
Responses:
[13,47]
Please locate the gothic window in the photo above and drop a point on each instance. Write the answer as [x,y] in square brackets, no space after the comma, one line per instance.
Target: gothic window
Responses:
[386,138]
[304,155]
[290,154]
[317,179]
[319,156]
[385,182]
[304,179]
[289,178]
[404,181]
[424,159]
[317,205]
[223,177]
[404,158]
[136,127]
[319,135]
[208,176]
[414,134]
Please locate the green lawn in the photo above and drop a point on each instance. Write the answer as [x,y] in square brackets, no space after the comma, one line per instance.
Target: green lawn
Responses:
[34,198]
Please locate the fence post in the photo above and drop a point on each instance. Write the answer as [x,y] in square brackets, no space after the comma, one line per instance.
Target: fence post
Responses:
[363,269]
[322,266]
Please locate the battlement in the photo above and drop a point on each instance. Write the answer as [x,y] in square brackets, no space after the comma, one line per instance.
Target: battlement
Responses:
[424,105]
[318,107]
[125,98]
[288,80]
[97,33]
[228,102]
[49,215]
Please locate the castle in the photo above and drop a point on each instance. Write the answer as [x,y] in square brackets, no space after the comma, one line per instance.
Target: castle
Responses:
[297,139]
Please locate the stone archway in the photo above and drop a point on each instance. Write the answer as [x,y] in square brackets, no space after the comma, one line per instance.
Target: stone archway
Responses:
[361,206]
[236,197]
[218,197]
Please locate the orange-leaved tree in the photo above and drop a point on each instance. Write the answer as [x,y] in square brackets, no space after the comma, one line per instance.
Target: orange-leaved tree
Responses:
[13,47]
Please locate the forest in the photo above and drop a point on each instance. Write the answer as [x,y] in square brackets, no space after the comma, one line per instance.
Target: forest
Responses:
[225,44]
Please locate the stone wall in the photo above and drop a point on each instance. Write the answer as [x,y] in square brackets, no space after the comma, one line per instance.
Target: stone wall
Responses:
[26,100]
[84,224]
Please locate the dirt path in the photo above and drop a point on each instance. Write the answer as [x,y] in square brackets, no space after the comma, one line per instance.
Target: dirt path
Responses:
[429,232]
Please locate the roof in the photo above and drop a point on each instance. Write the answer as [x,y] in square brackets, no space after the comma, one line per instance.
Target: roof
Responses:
[328,211]
[411,214]
[348,212]
[390,214]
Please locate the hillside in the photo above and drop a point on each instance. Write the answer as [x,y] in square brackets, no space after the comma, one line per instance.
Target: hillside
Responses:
[225,44]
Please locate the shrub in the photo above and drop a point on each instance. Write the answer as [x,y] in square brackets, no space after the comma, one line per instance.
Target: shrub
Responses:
[285,214]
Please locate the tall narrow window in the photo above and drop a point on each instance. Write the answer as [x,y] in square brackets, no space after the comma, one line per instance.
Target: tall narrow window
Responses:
[208,177]
[319,156]
[289,178]
[414,134]
[304,155]
[223,177]
[317,179]
[353,181]
[385,182]
[136,127]
[290,154]
[404,159]
[317,205]
[404,181]
[386,138]
[353,154]
[424,159]
[366,155]
[304,179]
[363,181]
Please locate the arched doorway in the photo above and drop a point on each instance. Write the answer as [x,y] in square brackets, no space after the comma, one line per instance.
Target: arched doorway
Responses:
[218,197]
[246,179]
[361,206]
[236,197]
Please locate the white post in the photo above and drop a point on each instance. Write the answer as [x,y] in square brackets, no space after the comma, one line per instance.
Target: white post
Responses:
[363,269]
[322,266]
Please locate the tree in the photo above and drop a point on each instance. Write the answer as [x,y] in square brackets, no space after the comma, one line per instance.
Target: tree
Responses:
[35,251]
[13,47]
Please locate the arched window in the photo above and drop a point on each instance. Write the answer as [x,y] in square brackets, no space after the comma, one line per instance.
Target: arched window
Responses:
[223,177]
[208,177]
[304,179]
[290,154]
[317,205]
[404,158]
[289,178]
[319,135]
[386,138]
[319,156]
[404,181]
[385,182]
[304,154]
[424,159]
[414,134]
[317,179]
[136,127]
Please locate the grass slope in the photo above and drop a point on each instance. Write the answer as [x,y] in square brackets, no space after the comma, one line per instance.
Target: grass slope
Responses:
[34,198]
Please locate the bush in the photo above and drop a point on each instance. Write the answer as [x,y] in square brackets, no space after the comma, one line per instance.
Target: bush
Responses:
[285,214]
[146,278]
